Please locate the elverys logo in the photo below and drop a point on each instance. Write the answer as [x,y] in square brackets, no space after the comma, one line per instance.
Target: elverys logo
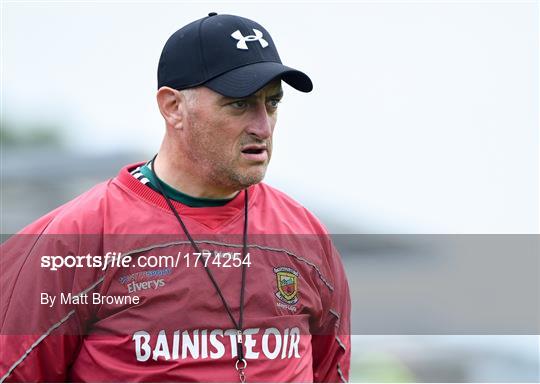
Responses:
[287,284]
[144,285]
[142,280]
[242,40]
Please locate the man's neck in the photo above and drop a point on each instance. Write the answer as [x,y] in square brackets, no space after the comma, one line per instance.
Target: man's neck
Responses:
[186,182]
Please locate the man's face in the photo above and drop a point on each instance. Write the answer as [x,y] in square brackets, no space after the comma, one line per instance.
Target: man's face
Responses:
[229,141]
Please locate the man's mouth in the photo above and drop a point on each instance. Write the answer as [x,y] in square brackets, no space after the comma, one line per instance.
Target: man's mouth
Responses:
[255,152]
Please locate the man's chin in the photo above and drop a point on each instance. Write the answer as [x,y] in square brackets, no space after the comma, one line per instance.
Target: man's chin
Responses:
[248,179]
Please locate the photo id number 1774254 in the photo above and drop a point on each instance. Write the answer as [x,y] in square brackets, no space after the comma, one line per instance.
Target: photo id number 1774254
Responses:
[219,259]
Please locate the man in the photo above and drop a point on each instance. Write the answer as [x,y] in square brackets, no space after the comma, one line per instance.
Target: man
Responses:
[253,289]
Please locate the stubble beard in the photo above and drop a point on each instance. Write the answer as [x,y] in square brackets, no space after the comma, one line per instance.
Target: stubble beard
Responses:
[217,167]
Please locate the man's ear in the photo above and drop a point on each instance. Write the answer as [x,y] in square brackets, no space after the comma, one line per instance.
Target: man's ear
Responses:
[172,106]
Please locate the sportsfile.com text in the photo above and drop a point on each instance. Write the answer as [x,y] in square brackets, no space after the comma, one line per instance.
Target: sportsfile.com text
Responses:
[113,259]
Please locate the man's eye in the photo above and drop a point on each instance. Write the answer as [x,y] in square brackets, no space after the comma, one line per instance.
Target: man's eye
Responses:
[240,104]
[274,102]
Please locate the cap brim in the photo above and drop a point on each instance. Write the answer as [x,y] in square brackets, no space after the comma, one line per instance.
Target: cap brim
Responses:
[246,80]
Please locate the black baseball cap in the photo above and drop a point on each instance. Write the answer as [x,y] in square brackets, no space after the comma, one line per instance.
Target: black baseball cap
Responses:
[231,55]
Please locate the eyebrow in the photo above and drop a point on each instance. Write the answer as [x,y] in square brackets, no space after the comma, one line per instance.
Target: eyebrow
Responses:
[278,94]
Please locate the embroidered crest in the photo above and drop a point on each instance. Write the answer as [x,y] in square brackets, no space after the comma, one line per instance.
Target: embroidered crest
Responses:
[287,284]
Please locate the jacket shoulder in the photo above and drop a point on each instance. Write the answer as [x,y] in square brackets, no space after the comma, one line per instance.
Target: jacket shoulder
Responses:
[284,208]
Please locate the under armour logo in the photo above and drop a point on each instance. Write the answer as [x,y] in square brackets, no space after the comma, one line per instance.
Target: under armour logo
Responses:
[242,40]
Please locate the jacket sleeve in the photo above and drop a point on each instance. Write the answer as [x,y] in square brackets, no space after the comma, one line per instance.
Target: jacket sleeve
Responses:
[331,345]
[39,341]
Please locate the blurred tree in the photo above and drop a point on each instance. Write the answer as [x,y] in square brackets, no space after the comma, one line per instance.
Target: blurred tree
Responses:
[36,135]
[380,367]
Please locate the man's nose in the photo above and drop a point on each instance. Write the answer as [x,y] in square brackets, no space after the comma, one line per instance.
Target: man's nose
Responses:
[262,122]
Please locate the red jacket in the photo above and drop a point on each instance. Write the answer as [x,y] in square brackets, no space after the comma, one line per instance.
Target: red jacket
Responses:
[297,304]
